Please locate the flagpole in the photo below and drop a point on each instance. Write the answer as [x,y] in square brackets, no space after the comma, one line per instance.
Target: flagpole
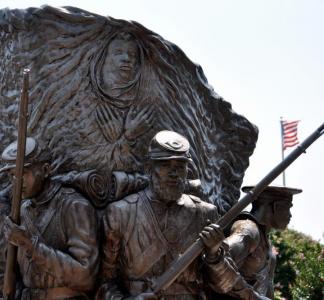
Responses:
[282,152]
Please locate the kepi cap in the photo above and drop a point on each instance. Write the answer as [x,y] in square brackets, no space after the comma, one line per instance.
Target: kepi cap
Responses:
[167,145]
[274,189]
[273,193]
[9,154]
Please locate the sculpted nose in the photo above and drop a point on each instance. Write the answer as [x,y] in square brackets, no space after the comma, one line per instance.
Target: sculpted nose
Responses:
[125,57]
[173,172]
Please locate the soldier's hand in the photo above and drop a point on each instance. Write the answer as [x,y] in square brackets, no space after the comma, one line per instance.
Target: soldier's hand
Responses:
[15,234]
[212,237]
[143,296]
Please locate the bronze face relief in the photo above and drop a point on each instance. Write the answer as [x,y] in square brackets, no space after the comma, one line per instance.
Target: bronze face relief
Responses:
[121,66]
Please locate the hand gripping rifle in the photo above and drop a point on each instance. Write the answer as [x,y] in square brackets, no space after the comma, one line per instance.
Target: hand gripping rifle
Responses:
[181,263]
[11,261]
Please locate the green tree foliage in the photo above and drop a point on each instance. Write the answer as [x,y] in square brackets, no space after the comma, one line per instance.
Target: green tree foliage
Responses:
[300,266]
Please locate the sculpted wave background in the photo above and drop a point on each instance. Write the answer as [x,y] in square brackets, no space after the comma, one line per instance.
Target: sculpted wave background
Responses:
[91,122]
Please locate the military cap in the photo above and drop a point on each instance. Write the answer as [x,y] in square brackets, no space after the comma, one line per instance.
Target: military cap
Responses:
[273,193]
[9,154]
[167,145]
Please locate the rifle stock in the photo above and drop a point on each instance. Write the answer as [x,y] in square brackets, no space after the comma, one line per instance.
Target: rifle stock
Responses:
[181,263]
[11,260]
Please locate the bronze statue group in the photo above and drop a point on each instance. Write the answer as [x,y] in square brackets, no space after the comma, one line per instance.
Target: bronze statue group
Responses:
[67,250]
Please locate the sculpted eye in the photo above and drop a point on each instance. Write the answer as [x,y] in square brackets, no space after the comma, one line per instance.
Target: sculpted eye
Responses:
[118,51]
[163,164]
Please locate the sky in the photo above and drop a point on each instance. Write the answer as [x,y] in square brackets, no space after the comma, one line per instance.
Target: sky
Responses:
[265,58]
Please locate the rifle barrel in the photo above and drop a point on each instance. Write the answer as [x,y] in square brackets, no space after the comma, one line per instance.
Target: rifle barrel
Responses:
[11,260]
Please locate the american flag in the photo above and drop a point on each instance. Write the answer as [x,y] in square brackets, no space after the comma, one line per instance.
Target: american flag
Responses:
[289,133]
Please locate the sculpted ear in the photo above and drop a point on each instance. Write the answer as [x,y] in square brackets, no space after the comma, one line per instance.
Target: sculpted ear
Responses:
[148,167]
[46,169]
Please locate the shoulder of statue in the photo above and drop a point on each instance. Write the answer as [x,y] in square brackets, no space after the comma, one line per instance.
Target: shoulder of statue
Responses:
[132,199]
[120,214]
[245,215]
[68,191]
[70,196]
[189,201]
[246,224]
[203,204]
[123,203]
[206,210]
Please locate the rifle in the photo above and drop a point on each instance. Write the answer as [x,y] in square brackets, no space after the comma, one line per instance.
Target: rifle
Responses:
[181,263]
[9,286]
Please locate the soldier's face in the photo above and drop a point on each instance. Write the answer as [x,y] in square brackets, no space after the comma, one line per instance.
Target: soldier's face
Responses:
[281,214]
[168,179]
[121,61]
[33,179]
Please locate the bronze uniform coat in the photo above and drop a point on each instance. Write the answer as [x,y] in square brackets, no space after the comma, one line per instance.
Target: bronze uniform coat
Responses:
[64,229]
[143,236]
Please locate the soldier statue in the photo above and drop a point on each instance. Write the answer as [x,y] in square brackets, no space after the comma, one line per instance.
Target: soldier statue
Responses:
[57,240]
[145,231]
[248,242]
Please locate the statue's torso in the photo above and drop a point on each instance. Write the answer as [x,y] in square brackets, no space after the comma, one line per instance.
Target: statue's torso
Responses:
[156,234]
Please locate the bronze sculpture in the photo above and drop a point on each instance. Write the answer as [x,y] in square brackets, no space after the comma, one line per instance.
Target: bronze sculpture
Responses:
[248,242]
[101,89]
[96,116]
[57,240]
[93,117]
[145,231]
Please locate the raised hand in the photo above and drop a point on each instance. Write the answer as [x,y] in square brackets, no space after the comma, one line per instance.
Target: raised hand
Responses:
[212,237]
[15,234]
[111,125]
[139,122]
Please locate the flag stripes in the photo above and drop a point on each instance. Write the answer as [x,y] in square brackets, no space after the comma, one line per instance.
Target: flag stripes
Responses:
[289,134]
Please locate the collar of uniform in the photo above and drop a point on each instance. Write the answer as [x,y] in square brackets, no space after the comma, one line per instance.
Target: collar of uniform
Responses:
[47,194]
[181,201]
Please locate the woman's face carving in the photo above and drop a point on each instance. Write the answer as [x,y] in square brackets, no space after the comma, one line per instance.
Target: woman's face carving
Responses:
[121,61]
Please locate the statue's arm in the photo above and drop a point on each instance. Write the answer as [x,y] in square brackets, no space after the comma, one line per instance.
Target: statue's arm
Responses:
[224,278]
[273,261]
[77,266]
[222,274]
[243,240]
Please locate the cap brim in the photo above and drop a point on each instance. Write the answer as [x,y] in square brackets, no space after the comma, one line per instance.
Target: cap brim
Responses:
[273,188]
[175,157]
[11,166]
[6,168]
